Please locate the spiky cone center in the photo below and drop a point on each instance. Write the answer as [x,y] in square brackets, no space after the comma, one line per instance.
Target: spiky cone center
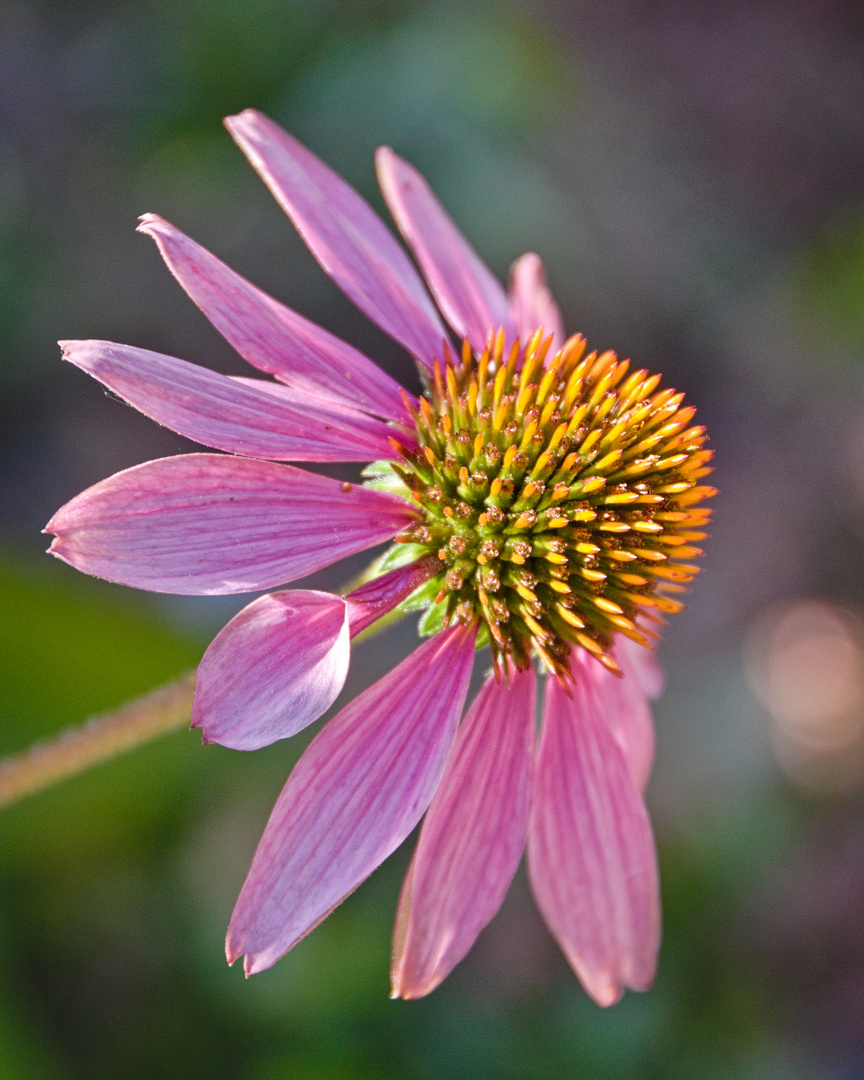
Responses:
[562,498]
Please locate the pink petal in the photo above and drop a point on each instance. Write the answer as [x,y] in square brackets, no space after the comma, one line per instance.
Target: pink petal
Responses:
[624,707]
[277,666]
[271,336]
[472,838]
[208,523]
[281,662]
[368,603]
[228,414]
[468,294]
[531,302]
[403,431]
[591,857]
[353,797]
[642,664]
[344,234]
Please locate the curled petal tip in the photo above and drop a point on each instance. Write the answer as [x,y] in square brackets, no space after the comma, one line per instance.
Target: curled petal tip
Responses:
[68,350]
[231,953]
[255,963]
[414,993]
[246,116]
[149,223]
[251,962]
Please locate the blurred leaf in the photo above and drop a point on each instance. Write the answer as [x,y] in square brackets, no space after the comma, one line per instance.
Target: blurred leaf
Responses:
[830,282]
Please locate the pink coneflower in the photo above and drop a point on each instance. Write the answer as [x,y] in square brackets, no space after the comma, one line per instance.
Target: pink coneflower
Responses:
[541,501]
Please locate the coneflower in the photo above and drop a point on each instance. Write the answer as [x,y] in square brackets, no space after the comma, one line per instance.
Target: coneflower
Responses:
[543,501]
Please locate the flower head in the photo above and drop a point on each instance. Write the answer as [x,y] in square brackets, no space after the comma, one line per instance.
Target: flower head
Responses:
[541,501]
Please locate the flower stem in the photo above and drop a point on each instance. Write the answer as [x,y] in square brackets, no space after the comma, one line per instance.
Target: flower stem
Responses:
[97,739]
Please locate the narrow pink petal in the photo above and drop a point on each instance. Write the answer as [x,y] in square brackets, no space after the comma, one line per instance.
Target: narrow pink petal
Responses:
[271,336]
[404,432]
[368,603]
[642,664]
[344,234]
[472,838]
[353,797]
[208,523]
[228,414]
[277,666]
[468,294]
[591,857]
[531,302]
[624,707]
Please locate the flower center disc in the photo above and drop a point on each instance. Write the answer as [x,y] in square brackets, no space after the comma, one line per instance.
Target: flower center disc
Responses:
[559,497]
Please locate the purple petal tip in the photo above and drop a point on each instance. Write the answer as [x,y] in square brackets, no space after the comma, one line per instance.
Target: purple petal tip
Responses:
[237,120]
[148,223]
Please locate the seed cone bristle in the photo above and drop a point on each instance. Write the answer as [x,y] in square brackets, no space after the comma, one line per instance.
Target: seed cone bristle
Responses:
[560,495]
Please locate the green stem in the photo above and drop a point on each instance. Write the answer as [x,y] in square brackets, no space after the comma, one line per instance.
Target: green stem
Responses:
[98,739]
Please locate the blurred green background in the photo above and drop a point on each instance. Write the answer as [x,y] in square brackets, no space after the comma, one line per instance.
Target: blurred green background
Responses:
[693,176]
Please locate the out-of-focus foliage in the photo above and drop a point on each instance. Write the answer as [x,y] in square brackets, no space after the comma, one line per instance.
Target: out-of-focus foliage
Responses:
[831,283]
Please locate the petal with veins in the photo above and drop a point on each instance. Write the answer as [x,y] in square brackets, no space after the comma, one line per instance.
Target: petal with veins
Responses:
[624,707]
[228,414]
[271,336]
[467,292]
[275,668]
[591,858]
[281,662]
[353,797]
[208,524]
[472,838]
[344,234]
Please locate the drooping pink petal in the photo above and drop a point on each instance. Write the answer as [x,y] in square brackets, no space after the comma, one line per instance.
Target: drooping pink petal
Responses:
[368,603]
[275,668]
[591,858]
[642,664]
[271,336]
[467,292]
[209,523]
[531,303]
[624,707]
[228,414]
[353,797]
[344,234]
[281,662]
[472,838]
